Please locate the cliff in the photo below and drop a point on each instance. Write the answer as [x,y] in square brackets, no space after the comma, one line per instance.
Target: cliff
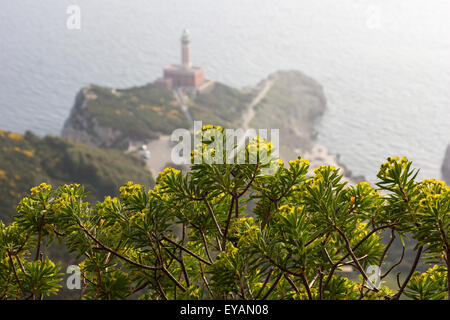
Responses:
[108,118]
[446,166]
[287,100]
[292,102]
[27,160]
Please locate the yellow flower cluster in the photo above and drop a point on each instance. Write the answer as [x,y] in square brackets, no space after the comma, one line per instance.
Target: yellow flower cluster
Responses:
[364,185]
[138,218]
[385,169]
[66,198]
[431,192]
[285,209]
[43,187]
[299,161]
[258,151]
[300,166]
[435,274]
[170,170]
[107,205]
[226,257]
[259,144]
[165,173]
[208,129]
[366,189]
[61,202]
[432,184]
[129,189]
[321,169]
[244,229]
[15,136]
[70,188]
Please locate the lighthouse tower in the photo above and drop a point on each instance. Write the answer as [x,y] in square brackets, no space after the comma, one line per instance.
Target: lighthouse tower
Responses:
[186,50]
[184,75]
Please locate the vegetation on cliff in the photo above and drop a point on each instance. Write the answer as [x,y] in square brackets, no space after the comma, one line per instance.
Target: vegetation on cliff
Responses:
[110,117]
[303,230]
[27,160]
[222,105]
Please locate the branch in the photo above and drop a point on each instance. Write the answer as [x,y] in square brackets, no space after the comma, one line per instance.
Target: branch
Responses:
[351,261]
[250,183]
[181,262]
[405,283]
[142,286]
[161,290]
[333,268]
[137,264]
[305,283]
[264,284]
[266,221]
[395,265]
[167,272]
[281,267]
[273,286]
[352,254]
[227,225]
[387,247]
[187,250]
[205,281]
[5,291]
[213,216]
[41,224]
[292,283]
[15,272]
[205,244]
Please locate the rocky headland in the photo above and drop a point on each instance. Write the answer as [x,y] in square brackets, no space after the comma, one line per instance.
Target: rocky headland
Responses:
[126,119]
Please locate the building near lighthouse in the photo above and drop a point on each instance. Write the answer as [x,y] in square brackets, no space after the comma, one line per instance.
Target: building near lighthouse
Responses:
[184,75]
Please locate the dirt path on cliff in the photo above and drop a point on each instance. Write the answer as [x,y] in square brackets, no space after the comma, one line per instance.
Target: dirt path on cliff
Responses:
[160,149]
[181,100]
[160,154]
[250,113]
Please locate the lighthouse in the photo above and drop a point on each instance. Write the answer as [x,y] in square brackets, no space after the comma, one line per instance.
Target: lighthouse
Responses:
[186,49]
[184,75]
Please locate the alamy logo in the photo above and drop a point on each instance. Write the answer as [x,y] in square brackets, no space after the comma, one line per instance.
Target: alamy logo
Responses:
[74,280]
[74,19]
[373,13]
[374,277]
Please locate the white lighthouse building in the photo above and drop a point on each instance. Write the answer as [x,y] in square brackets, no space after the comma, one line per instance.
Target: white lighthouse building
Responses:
[186,50]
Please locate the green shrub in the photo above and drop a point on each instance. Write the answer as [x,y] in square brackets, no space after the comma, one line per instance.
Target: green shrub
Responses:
[27,160]
[222,105]
[137,112]
[303,230]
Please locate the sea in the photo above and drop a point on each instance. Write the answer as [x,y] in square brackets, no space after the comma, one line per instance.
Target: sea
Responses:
[384,64]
